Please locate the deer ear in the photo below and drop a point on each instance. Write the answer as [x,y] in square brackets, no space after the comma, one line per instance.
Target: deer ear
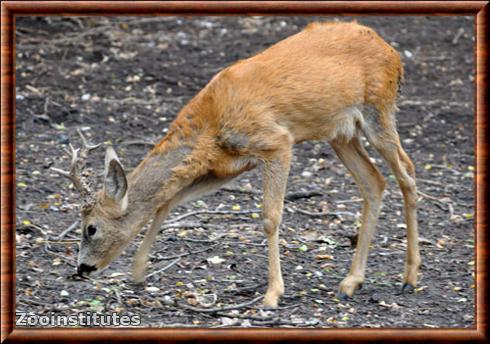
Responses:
[110,154]
[115,183]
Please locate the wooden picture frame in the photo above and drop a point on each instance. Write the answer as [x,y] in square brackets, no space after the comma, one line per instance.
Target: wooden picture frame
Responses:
[10,9]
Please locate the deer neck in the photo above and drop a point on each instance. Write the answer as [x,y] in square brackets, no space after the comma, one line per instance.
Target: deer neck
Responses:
[170,167]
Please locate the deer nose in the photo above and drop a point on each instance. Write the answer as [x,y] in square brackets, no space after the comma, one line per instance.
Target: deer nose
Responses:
[84,269]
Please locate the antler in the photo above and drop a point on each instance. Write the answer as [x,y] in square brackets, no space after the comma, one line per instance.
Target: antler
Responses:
[76,173]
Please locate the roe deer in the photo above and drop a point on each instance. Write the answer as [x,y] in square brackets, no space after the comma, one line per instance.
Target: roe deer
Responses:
[331,82]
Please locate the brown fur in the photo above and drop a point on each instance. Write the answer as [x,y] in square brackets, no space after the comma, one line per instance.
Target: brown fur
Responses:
[329,82]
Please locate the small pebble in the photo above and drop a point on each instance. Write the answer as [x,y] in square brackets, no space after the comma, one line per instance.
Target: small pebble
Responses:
[63,139]
[307,174]
[152,289]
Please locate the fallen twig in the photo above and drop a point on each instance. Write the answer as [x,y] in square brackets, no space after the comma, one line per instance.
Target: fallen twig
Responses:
[185,254]
[246,288]
[66,231]
[430,182]
[450,208]
[166,267]
[320,214]
[302,194]
[433,198]
[46,246]
[189,225]
[130,100]
[218,309]
[457,36]
[220,212]
[178,325]
[67,260]
[93,31]
[292,196]
[66,241]
[267,320]
[137,142]
[239,190]
[205,225]
[206,240]
[278,321]
[245,243]
[354,200]
[427,102]
[40,229]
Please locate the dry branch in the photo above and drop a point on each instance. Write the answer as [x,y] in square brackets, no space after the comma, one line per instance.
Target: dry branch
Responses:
[218,309]
[185,254]
[321,214]
[220,212]
[66,231]
[166,267]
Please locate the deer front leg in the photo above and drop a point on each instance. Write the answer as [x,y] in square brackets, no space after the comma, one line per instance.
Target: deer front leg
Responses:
[141,258]
[275,180]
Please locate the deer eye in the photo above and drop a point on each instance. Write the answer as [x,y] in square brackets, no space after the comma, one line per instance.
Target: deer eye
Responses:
[91,229]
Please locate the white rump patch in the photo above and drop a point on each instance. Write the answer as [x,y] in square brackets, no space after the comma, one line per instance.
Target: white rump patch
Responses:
[347,123]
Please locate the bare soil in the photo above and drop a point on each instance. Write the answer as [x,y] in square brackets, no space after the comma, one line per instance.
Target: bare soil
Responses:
[122,80]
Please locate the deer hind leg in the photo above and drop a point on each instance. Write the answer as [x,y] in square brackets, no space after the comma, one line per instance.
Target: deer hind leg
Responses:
[371,184]
[276,170]
[387,142]
[389,146]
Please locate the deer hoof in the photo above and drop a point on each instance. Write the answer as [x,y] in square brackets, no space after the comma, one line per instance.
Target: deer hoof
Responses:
[343,296]
[271,301]
[138,281]
[350,284]
[407,288]
[138,276]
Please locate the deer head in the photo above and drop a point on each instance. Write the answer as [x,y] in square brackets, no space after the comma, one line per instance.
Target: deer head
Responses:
[103,212]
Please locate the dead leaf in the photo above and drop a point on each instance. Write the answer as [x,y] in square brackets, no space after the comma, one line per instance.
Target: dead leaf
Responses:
[324,256]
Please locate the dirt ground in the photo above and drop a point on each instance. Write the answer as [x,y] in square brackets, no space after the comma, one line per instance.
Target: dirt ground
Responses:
[122,80]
